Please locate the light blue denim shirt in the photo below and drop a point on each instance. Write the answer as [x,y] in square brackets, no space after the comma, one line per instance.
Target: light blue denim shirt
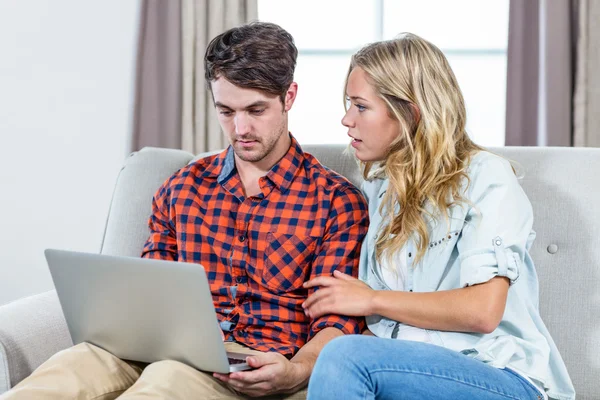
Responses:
[487,238]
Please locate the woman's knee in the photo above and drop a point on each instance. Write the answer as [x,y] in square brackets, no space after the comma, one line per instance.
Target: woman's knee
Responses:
[342,350]
[346,343]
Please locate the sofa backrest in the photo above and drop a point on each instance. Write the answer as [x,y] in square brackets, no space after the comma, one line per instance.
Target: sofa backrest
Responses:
[563,185]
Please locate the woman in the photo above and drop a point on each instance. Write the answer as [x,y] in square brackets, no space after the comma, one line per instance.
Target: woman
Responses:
[445,269]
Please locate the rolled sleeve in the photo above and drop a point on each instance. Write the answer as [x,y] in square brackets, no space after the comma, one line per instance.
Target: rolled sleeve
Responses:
[348,325]
[497,226]
[340,250]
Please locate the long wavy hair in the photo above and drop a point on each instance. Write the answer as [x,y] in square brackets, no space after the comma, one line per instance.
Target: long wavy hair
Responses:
[427,162]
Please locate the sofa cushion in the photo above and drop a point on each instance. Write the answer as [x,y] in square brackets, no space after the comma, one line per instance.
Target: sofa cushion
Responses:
[142,174]
[563,185]
[22,323]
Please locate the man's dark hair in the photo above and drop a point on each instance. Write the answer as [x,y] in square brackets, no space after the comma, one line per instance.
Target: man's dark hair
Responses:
[259,55]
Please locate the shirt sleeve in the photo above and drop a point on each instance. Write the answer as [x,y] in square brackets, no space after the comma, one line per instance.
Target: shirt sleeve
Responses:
[340,250]
[498,224]
[162,242]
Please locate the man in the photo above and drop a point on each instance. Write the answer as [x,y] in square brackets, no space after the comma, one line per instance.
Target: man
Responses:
[262,217]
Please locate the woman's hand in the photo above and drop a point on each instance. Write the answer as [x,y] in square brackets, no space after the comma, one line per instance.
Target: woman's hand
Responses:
[340,294]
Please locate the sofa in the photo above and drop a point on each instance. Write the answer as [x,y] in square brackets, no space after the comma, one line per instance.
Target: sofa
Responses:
[562,183]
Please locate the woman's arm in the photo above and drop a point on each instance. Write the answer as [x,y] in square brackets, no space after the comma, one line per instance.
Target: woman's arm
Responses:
[477,308]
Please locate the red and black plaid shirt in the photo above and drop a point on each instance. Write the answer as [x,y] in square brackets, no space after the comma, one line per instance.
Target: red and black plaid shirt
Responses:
[257,251]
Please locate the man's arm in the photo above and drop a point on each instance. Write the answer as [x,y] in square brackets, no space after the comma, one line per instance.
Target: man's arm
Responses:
[274,373]
[162,242]
[346,228]
[306,357]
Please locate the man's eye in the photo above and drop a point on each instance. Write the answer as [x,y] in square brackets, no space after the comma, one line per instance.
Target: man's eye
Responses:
[225,113]
[257,111]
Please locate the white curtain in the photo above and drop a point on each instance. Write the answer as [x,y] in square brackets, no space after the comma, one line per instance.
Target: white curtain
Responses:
[587,81]
[553,85]
[157,115]
[201,21]
[541,56]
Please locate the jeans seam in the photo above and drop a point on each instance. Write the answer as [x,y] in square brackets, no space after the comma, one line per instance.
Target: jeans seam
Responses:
[525,383]
[446,378]
[364,395]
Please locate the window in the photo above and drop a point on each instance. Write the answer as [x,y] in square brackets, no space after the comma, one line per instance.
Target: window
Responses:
[472,33]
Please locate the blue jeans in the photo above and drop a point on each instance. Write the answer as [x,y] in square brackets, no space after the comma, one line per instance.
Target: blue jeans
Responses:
[367,367]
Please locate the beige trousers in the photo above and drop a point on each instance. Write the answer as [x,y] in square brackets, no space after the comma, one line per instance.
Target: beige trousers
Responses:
[86,372]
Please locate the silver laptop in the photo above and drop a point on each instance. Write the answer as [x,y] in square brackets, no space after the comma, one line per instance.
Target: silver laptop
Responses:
[141,310]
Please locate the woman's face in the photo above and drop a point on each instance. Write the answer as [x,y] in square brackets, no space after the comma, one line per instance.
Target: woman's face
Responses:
[369,125]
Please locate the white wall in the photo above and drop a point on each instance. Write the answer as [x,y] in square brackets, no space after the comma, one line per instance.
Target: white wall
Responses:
[67,70]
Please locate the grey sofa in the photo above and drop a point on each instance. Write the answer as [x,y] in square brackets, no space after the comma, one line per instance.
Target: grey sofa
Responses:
[562,183]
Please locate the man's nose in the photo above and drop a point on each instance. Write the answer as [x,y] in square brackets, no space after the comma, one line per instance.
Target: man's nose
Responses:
[242,125]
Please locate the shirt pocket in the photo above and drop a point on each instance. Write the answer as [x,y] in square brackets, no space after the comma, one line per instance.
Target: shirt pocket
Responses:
[442,243]
[287,261]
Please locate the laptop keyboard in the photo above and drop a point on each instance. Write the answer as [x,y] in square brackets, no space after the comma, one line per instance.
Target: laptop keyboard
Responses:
[233,361]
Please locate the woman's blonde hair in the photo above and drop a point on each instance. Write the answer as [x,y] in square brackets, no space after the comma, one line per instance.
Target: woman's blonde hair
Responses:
[427,162]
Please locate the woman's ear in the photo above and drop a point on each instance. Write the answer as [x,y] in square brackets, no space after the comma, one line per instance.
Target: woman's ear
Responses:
[416,113]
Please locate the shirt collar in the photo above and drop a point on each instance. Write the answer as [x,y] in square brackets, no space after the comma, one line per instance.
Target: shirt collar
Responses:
[281,174]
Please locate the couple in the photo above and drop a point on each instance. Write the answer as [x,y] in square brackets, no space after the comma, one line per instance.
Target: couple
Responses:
[440,246]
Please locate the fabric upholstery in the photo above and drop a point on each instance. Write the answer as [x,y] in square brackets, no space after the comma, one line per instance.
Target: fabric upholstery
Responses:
[563,185]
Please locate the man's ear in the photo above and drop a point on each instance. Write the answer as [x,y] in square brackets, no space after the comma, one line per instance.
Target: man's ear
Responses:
[290,96]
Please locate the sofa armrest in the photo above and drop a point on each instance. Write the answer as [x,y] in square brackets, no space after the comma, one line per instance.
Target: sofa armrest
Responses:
[32,329]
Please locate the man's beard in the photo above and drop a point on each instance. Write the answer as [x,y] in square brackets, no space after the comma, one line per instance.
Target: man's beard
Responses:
[262,148]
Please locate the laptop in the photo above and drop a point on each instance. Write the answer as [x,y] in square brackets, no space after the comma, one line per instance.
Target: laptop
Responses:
[141,310]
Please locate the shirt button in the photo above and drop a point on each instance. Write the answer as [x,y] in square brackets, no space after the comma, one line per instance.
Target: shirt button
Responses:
[239,279]
[242,238]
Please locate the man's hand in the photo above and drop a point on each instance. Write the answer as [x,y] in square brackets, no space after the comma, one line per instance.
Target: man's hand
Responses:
[273,374]
[340,294]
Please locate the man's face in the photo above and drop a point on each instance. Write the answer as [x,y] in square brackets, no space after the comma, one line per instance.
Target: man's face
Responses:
[255,123]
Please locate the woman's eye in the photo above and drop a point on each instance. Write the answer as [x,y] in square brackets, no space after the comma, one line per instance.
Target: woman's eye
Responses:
[361,108]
